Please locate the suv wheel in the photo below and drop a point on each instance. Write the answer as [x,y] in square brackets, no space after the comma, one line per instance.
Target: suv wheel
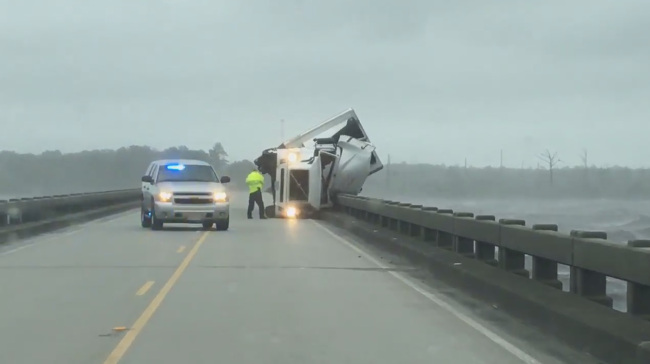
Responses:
[156,224]
[222,225]
[145,219]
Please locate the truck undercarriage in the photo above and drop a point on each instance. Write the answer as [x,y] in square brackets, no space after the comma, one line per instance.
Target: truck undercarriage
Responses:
[308,171]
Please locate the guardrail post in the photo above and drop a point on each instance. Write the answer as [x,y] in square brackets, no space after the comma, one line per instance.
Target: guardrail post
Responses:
[367,216]
[4,216]
[403,226]
[512,260]
[486,252]
[375,219]
[385,222]
[587,283]
[545,270]
[462,245]
[393,224]
[380,219]
[14,215]
[415,229]
[638,295]
[445,239]
[429,235]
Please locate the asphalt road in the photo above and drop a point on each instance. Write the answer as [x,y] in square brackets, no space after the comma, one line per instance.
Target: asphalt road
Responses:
[274,291]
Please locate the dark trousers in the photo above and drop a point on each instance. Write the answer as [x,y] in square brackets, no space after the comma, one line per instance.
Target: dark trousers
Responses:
[255,198]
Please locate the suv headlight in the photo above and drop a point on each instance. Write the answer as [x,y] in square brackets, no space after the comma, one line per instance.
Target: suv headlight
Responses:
[165,196]
[220,197]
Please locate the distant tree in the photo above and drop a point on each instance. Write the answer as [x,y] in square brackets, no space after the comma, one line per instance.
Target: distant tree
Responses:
[551,160]
[237,171]
[54,172]
[218,156]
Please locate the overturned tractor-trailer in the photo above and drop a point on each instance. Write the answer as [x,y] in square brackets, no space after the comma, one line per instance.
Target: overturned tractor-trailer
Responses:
[310,170]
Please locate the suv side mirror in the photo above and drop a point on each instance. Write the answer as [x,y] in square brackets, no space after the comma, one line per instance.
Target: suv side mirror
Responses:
[225,179]
[147,179]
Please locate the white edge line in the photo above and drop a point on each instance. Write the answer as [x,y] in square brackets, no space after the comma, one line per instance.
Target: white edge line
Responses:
[54,235]
[433,298]
[11,251]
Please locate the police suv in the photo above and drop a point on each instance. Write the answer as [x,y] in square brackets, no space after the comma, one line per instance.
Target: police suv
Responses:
[184,191]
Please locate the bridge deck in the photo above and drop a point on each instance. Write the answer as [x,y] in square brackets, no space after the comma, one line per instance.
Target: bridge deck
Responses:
[273,291]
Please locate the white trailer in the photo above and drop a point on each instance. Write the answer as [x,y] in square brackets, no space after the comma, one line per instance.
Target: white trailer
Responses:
[309,171]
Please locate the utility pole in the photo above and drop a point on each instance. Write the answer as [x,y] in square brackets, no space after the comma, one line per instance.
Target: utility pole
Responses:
[388,172]
[585,164]
[501,161]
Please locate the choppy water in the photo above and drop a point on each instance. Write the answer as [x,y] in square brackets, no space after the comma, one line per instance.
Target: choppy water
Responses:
[622,220]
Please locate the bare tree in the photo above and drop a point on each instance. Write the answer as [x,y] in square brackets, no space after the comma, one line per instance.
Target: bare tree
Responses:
[583,156]
[551,160]
[585,165]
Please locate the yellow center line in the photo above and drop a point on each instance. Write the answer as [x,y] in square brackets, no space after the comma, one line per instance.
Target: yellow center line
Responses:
[145,287]
[181,249]
[116,355]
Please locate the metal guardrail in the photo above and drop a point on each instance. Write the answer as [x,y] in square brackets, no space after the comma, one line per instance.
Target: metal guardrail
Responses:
[34,209]
[589,255]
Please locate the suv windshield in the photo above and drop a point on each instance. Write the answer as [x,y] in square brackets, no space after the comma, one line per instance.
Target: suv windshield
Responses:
[180,173]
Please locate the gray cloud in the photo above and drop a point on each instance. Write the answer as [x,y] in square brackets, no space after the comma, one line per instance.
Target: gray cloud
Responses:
[433,81]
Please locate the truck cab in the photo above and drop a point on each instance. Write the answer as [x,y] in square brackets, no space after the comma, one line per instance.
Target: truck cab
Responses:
[307,178]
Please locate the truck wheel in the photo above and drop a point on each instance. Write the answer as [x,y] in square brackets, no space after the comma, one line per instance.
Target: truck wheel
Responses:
[269,211]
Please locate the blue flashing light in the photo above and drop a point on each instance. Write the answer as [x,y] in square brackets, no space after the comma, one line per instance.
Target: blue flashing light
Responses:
[176,167]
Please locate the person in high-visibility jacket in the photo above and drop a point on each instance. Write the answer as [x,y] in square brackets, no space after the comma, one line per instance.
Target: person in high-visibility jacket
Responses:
[255,182]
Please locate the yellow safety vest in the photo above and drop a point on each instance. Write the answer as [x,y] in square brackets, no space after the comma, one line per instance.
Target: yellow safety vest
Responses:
[255,181]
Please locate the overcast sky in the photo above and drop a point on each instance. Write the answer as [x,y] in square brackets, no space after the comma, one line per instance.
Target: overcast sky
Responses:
[433,81]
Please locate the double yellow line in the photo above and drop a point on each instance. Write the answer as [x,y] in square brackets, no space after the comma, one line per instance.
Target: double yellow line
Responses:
[116,355]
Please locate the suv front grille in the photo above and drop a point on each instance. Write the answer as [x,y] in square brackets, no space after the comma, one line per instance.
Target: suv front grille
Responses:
[193,201]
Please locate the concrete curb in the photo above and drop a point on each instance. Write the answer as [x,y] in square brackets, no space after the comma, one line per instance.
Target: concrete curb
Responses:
[11,233]
[610,336]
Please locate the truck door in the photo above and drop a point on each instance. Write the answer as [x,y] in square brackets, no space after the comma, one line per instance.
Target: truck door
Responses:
[315,181]
[281,185]
[352,167]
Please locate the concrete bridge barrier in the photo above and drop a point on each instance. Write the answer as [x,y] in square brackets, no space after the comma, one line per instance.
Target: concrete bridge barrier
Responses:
[23,217]
[487,257]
